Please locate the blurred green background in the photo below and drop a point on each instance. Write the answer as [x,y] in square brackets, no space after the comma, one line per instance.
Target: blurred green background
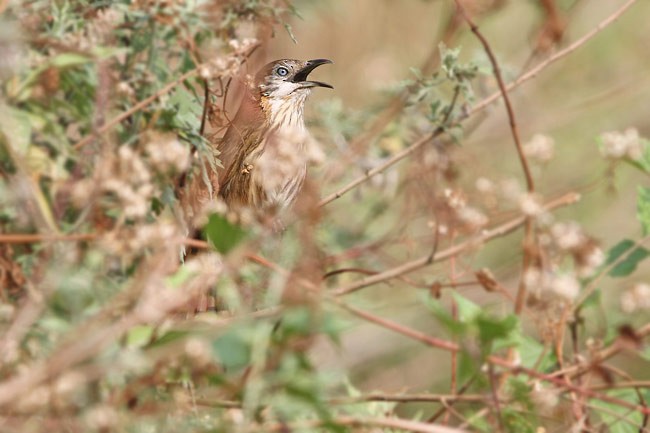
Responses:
[603,86]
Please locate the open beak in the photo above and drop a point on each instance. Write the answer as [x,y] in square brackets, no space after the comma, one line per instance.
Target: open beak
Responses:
[310,65]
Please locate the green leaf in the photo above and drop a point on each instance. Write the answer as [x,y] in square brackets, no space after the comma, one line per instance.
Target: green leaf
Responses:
[223,234]
[469,368]
[630,262]
[467,310]
[16,126]
[435,107]
[643,209]
[619,419]
[444,317]
[296,321]
[645,353]
[180,277]
[593,300]
[294,11]
[169,337]
[492,328]
[106,52]
[519,389]
[533,354]
[449,60]
[417,73]
[333,325]
[69,59]
[518,421]
[233,349]
[643,163]
[188,109]
[55,324]
[139,335]
[289,30]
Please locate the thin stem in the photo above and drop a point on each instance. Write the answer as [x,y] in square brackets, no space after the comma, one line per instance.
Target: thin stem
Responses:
[391,423]
[474,241]
[504,93]
[28,238]
[529,234]
[206,106]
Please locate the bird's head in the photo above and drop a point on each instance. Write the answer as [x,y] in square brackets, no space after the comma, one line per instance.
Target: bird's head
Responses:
[287,78]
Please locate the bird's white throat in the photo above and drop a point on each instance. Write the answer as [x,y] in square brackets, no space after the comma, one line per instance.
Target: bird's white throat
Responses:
[287,111]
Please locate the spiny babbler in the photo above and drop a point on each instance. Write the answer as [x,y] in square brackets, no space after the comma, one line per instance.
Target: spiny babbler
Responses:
[265,150]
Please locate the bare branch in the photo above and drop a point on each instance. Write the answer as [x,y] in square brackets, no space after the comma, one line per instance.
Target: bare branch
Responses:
[504,94]
[477,240]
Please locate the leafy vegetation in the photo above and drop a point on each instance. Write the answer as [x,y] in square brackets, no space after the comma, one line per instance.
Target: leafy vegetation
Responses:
[113,317]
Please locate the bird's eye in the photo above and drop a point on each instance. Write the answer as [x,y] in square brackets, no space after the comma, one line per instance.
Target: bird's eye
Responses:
[282,71]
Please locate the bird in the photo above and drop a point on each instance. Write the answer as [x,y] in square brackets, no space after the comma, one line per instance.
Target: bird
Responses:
[263,154]
[266,149]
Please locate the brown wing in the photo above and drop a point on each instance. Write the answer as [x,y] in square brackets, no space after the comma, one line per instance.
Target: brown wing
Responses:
[241,139]
[203,183]
[231,182]
[197,193]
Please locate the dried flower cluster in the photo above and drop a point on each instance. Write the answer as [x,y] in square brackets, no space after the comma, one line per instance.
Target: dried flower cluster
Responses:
[540,148]
[131,183]
[564,286]
[617,145]
[636,299]
[570,238]
[167,154]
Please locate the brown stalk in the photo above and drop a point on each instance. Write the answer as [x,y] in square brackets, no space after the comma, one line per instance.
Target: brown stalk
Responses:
[380,422]
[451,411]
[25,238]
[375,396]
[494,390]
[454,314]
[603,355]
[477,240]
[410,398]
[504,93]
[529,239]
[446,407]
[206,106]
